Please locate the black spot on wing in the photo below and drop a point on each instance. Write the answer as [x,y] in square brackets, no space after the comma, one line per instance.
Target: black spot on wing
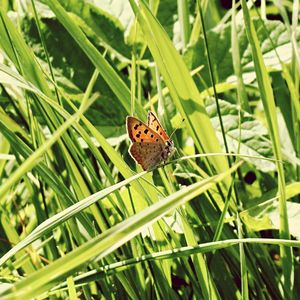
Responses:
[146,131]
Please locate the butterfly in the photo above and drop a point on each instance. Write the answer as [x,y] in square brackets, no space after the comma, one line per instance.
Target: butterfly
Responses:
[150,143]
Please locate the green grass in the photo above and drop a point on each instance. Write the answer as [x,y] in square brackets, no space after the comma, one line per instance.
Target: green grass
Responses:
[80,220]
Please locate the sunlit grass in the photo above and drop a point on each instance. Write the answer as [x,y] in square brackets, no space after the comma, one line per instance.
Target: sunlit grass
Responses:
[80,220]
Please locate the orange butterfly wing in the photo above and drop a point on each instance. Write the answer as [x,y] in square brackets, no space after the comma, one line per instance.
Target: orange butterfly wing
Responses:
[147,145]
[148,155]
[154,124]
[140,132]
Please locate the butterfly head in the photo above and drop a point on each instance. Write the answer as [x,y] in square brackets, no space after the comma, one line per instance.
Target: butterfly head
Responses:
[169,149]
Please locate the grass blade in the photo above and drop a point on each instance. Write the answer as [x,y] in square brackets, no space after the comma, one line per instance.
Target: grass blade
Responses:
[108,241]
[271,117]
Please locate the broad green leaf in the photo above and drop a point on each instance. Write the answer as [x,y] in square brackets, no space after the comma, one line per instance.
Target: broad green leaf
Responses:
[111,77]
[254,139]
[265,215]
[73,69]
[103,22]
[220,51]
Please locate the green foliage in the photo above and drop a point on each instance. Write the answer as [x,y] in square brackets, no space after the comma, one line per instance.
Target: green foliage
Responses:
[220,51]
[77,221]
[264,215]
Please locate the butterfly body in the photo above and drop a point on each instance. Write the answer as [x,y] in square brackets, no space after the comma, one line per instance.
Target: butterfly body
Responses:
[150,143]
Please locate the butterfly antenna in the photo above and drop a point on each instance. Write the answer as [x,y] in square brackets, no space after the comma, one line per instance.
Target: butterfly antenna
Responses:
[177,127]
[177,152]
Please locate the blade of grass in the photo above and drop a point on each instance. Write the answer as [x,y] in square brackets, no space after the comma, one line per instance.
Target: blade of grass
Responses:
[176,253]
[108,241]
[243,103]
[270,113]
[212,79]
[71,288]
[241,91]
[184,20]
[208,288]
[20,54]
